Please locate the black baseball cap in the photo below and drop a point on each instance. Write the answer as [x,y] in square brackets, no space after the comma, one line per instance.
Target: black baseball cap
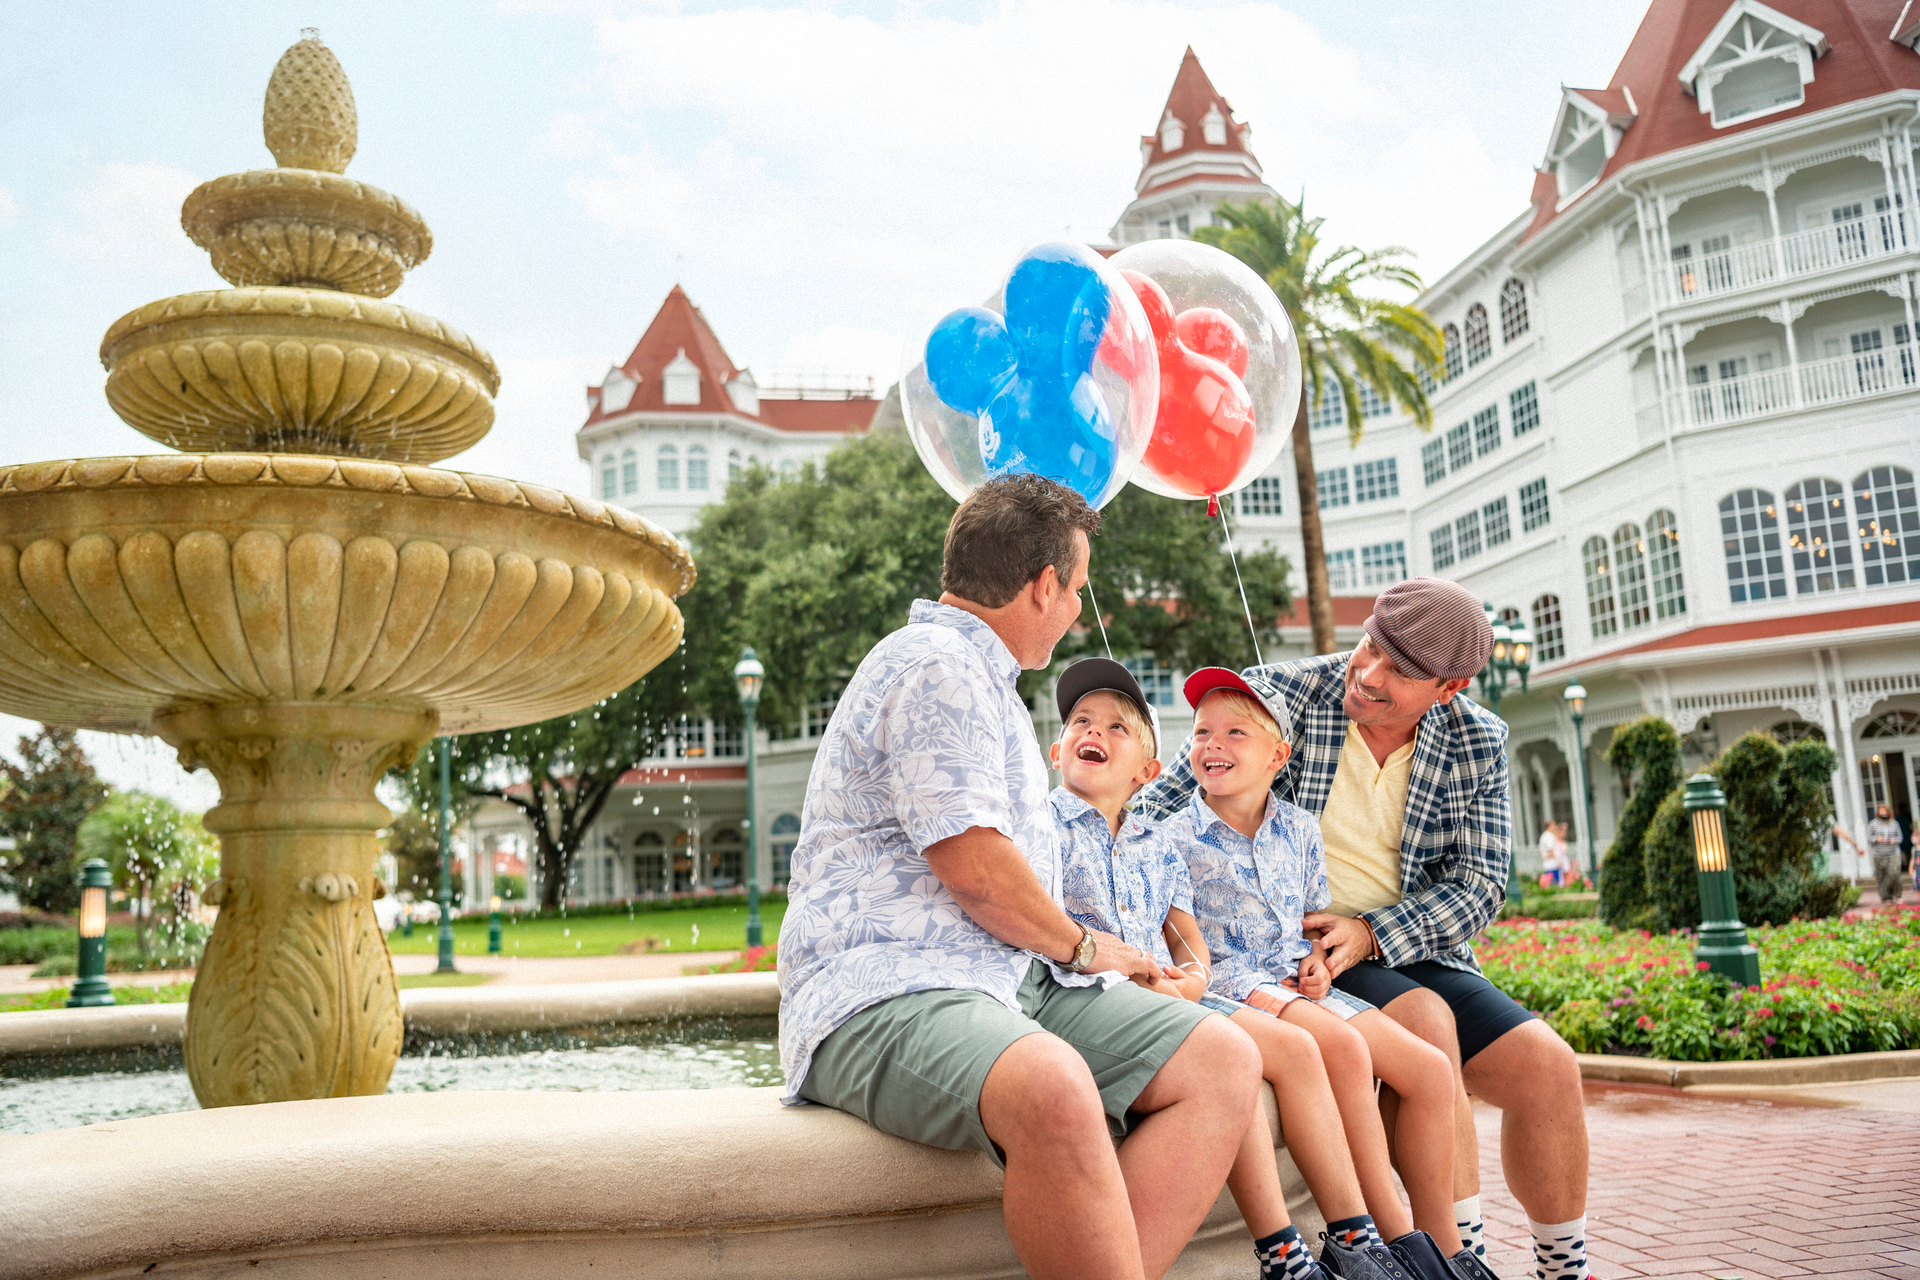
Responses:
[1091,675]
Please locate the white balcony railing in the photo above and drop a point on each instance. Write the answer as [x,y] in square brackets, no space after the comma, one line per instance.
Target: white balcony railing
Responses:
[1799,254]
[1823,382]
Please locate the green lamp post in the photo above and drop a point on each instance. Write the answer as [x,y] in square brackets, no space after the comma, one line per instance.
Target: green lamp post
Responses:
[748,676]
[1576,699]
[446,859]
[90,986]
[493,926]
[1723,939]
[1512,655]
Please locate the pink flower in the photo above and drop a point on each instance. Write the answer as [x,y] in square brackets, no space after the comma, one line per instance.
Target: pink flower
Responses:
[1769,1039]
[1701,966]
[1763,1013]
[1644,1022]
[1831,1005]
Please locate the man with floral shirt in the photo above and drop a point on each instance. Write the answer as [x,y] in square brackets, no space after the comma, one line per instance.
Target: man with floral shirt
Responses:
[931,982]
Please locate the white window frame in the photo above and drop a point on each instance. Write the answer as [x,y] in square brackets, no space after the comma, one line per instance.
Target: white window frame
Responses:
[1702,74]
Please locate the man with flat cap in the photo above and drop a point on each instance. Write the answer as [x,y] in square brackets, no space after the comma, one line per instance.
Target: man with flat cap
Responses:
[1409,782]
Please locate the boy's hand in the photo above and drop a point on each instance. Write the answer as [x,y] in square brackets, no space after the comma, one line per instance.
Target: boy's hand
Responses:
[1315,979]
[1163,980]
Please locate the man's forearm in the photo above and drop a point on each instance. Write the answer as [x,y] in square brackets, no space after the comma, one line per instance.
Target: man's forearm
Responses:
[996,887]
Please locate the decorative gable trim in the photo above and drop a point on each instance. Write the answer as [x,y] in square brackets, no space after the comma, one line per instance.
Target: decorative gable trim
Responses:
[1748,38]
[680,380]
[1586,132]
[1906,28]
[616,390]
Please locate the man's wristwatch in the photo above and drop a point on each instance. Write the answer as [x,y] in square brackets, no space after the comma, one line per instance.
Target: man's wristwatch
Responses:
[1083,951]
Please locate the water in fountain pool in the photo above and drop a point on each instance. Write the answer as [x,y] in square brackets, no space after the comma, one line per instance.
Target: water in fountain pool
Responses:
[61,1102]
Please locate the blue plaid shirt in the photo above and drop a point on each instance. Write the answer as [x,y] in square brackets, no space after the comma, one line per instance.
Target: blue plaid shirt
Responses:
[1123,884]
[1458,838]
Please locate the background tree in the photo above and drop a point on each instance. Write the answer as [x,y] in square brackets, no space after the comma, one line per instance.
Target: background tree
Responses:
[152,847]
[1348,339]
[48,793]
[413,838]
[1776,819]
[1647,755]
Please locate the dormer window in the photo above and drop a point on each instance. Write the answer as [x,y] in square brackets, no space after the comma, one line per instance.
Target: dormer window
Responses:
[1755,61]
[616,391]
[744,392]
[1213,127]
[1172,133]
[1586,133]
[680,380]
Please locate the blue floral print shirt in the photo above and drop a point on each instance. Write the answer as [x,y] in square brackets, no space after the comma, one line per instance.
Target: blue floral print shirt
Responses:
[1249,895]
[1124,884]
[929,739]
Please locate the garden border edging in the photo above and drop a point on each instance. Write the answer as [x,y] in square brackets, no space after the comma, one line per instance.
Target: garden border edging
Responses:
[1839,1068]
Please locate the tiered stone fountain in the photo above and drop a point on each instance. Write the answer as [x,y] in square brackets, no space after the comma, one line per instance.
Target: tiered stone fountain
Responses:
[299,601]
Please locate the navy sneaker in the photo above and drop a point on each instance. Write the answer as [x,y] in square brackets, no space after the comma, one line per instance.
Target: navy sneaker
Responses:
[1467,1265]
[1360,1262]
[1422,1258]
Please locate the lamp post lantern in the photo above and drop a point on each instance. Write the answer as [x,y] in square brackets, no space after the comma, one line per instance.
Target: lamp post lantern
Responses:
[1576,696]
[748,676]
[90,985]
[1723,938]
[493,926]
[446,859]
[1512,655]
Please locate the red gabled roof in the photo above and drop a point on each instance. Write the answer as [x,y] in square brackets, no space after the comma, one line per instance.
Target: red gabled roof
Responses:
[678,326]
[839,417]
[1192,95]
[1862,62]
[1794,624]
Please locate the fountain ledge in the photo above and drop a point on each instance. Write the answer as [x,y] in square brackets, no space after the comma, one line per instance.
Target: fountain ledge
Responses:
[429,1011]
[668,1185]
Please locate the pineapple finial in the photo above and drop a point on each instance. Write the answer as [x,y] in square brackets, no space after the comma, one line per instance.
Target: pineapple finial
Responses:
[309,118]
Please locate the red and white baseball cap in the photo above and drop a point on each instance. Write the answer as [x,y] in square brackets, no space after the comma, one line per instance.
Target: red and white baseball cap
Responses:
[1207,679]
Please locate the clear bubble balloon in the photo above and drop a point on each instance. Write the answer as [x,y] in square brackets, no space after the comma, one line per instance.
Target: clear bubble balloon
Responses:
[1230,376]
[1055,376]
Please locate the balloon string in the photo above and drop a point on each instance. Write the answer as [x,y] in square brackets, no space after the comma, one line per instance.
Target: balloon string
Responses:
[1097,619]
[1244,606]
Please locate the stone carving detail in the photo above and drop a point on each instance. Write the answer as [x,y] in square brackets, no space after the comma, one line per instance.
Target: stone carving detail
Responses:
[309,117]
[300,227]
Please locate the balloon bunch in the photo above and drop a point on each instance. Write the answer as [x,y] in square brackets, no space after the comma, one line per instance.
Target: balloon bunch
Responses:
[1172,365]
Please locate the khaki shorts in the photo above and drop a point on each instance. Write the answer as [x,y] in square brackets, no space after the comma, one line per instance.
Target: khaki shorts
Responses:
[914,1066]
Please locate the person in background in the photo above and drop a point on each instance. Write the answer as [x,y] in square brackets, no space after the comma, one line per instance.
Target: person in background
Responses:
[1884,839]
[1553,855]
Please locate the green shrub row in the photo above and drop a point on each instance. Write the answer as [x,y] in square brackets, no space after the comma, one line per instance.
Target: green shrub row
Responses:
[1830,987]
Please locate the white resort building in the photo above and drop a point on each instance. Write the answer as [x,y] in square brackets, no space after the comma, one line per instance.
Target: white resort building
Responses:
[1677,434]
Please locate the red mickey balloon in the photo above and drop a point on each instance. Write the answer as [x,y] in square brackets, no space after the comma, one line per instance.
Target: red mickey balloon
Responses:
[1204,431]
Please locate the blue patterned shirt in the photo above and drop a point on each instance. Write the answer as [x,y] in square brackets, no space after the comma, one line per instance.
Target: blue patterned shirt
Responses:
[1249,895]
[929,739]
[1124,884]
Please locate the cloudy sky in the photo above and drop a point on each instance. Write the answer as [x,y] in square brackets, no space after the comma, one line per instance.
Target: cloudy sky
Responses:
[823,178]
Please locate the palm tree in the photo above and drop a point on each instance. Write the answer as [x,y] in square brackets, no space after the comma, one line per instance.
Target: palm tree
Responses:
[1347,338]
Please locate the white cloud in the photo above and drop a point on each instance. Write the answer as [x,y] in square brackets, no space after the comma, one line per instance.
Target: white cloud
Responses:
[542,402]
[128,762]
[839,348]
[128,215]
[10,206]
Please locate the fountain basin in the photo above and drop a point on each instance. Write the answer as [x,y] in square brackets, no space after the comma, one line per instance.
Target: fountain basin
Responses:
[706,1183]
[306,227]
[132,587]
[298,370]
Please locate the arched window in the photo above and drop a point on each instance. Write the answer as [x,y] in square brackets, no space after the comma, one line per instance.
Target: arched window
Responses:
[1797,731]
[1893,724]
[1479,338]
[629,472]
[667,468]
[1513,309]
[1663,563]
[789,470]
[1750,529]
[786,834]
[1819,536]
[697,467]
[609,477]
[1889,522]
[1450,339]
[1630,575]
[1549,639]
[734,467]
[1600,612]
[650,863]
[725,856]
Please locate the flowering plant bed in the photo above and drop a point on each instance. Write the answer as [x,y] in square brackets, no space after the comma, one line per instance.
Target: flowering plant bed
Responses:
[1828,987]
[752,960]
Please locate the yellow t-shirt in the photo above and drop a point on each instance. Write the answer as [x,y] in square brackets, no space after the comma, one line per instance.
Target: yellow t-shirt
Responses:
[1366,812]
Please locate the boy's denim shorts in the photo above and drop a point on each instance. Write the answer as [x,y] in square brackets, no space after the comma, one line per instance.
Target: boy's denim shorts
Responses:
[1336,1002]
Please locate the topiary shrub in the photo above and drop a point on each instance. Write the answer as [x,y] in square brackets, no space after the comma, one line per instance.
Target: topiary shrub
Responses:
[1776,814]
[1647,755]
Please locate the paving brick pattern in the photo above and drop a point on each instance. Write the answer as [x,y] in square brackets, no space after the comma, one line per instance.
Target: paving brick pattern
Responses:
[1689,1188]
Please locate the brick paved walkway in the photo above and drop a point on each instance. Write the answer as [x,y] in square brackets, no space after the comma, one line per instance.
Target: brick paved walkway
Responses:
[1689,1188]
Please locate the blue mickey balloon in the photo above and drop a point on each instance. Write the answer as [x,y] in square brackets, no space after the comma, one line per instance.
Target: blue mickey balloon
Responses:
[1028,376]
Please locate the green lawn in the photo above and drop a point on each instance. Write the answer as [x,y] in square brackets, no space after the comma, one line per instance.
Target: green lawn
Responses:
[720,929]
[57,997]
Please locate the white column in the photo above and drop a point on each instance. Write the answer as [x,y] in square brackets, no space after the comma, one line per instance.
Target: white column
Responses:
[1793,353]
[1856,798]
[1886,174]
[1773,215]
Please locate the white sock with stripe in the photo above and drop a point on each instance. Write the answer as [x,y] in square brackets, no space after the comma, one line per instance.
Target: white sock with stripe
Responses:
[1560,1249]
[1466,1217]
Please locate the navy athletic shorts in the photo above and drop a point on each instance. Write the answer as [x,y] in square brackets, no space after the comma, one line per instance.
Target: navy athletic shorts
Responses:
[1482,1013]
